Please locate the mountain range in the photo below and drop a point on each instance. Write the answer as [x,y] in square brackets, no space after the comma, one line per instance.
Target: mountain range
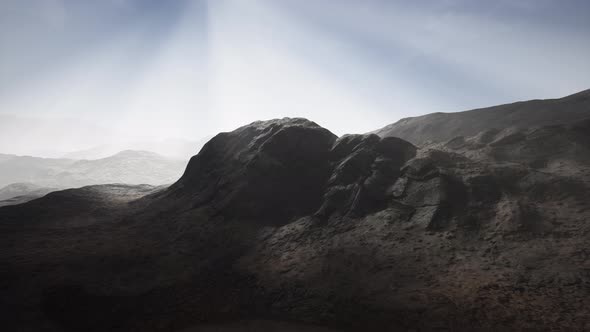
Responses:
[19,135]
[130,167]
[18,193]
[472,221]
[24,178]
[170,148]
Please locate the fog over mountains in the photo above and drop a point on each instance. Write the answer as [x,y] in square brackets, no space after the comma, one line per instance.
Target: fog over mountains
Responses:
[24,178]
[170,148]
[17,193]
[71,138]
[472,221]
[131,167]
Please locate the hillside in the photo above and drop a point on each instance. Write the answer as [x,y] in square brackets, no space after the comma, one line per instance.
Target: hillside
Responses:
[441,127]
[281,221]
[129,167]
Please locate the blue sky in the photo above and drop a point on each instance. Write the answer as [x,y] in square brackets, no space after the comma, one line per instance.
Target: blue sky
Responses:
[150,69]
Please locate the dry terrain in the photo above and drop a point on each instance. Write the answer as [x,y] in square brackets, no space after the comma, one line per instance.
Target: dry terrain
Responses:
[280,225]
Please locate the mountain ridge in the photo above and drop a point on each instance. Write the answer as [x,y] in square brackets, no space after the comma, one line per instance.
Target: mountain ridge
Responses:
[128,166]
[283,220]
[439,127]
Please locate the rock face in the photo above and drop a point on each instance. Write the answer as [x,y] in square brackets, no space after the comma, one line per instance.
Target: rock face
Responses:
[281,220]
[364,168]
[280,170]
[269,170]
[441,127]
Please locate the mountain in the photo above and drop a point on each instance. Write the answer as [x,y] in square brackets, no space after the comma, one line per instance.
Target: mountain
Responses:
[170,148]
[18,193]
[19,134]
[96,152]
[440,127]
[281,223]
[15,169]
[131,167]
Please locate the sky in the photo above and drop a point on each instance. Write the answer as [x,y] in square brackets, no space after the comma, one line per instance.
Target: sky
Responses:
[76,74]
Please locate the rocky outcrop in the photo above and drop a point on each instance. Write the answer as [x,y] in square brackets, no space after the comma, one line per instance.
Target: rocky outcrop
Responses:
[364,167]
[268,170]
[280,170]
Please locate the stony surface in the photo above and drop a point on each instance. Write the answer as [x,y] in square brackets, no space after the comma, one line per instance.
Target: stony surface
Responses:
[280,221]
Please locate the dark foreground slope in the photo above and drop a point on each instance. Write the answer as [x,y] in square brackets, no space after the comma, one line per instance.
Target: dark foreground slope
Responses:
[281,221]
[441,127]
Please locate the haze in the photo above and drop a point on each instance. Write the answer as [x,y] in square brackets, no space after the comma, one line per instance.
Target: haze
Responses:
[79,74]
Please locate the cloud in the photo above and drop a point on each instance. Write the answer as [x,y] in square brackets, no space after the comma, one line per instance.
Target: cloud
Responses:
[188,69]
[516,56]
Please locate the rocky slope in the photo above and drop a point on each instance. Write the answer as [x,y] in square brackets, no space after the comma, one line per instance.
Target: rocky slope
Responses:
[441,127]
[281,221]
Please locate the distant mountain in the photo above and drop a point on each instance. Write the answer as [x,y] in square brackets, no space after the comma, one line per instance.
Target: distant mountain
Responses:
[96,152]
[40,171]
[170,148]
[18,193]
[130,167]
[440,127]
[19,189]
[19,134]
